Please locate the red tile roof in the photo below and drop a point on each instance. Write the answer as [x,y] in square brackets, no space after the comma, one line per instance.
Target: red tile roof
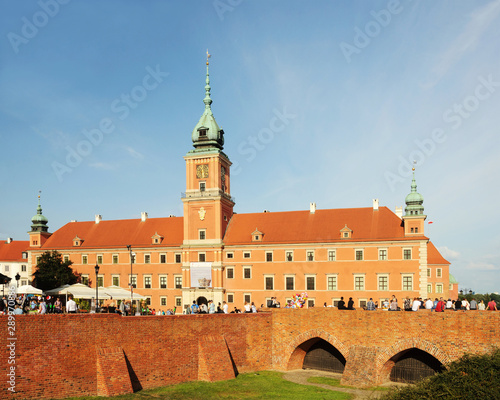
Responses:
[118,233]
[13,251]
[434,256]
[322,226]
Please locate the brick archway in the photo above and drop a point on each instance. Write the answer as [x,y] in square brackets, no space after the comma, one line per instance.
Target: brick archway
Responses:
[294,354]
[385,363]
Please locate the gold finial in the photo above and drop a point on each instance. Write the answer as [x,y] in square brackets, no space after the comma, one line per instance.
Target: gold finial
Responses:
[39,193]
[414,163]
[208,56]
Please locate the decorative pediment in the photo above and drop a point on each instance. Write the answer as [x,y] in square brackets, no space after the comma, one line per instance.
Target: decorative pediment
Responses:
[257,235]
[346,232]
[77,242]
[156,238]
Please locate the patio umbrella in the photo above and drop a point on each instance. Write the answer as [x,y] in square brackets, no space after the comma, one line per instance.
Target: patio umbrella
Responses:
[28,289]
[119,293]
[78,290]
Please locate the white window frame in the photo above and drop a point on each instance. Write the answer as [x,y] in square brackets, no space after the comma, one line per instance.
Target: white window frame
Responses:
[429,288]
[232,298]
[334,252]
[439,288]
[305,281]
[162,255]
[411,253]
[163,298]
[249,255]
[384,257]
[180,258]
[132,279]
[272,256]
[230,254]
[356,254]
[243,271]
[178,301]
[85,259]
[150,281]
[117,259]
[336,287]
[202,232]
[429,272]
[311,300]
[147,258]
[65,258]
[227,272]
[286,255]
[100,276]
[439,272]
[364,282]
[99,261]
[265,282]
[202,254]
[406,275]
[85,278]
[166,281]
[175,281]
[285,278]
[310,253]
[385,275]
[113,278]
[249,295]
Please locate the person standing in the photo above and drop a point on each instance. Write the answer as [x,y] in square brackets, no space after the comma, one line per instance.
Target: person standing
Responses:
[71,306]
[211,307]
[225,307]
[194,308]
[58,306]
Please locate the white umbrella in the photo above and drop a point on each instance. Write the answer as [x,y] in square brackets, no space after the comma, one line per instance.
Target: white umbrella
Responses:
[78,290]
[28,289]
[120,293]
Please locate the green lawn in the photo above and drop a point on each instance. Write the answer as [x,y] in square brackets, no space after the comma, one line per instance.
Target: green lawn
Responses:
[336,383]
[266,385]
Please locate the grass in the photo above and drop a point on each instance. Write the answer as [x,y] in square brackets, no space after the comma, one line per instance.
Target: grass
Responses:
[323,380]
[265,385]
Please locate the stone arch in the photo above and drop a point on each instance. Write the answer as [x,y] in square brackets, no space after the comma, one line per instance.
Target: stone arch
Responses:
[294,353]
[385,362]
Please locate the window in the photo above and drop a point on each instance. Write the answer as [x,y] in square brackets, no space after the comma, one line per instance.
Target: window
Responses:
[310,303]
[429,273]
[229,272]
[148,300]
[99,259]
[230,298]
[407,282]
[133,281]
[115,259]
[202,234]
[85,259]
[439,272]
[411,230]
[147,258]
[66,258]
[269,256]
[23,268]
[383,282]
[346,235]
[359,255]
[163,258]
[439,288]
[331,255]
[269,282]
[178,258]
[289,256]
[429,288]
[100,281]
[310,283]
[416,230]
[362,303]
[290,282]
[247,297]
[247,272]
[85,279]
[203,186]
[115,279]
[163,282]
[178,301]
[229,255]
[6,268]
[310,255]
[331,282]
[382,254]
[407,254]
[163,301]
[201,257]
[359,282]
[246,254]
[178,282]
[24,282]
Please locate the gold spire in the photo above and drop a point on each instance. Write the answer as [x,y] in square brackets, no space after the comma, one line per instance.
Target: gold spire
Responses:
[208,56]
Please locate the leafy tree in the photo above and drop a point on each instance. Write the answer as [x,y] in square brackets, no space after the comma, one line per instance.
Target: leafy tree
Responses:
[52,271]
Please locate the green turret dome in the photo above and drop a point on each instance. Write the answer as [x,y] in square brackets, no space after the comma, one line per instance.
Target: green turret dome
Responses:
[414,201]
[39,222]
[207,134]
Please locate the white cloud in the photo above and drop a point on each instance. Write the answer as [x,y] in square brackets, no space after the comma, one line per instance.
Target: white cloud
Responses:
[447,253]
[483,266]
[134,153]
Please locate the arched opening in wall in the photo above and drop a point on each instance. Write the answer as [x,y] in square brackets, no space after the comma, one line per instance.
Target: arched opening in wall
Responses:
[201,300]
[322,355]
[412,365]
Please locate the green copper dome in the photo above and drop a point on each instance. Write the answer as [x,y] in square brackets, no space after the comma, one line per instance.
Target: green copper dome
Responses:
[414,201]
[206,134]
[39,222]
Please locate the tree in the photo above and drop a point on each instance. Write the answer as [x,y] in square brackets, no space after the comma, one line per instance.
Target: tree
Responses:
[52,271]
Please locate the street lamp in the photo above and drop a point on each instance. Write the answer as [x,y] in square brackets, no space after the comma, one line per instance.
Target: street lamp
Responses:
[96,288]
[17,278]
[129,247]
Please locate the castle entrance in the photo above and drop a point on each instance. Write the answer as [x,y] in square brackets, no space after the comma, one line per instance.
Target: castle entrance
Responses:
[413,365]
[201,300]
[323,356]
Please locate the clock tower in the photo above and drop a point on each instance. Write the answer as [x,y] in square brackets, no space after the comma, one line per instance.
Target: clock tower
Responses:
[208,207]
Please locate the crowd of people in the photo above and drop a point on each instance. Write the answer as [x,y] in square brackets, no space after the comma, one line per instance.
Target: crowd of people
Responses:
[417,303]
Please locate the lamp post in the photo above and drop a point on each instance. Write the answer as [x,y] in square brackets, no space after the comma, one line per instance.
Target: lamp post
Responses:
[17,278]
[129,247]
[96,288]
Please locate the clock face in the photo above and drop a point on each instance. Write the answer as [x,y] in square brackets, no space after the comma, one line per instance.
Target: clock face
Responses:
[202,171]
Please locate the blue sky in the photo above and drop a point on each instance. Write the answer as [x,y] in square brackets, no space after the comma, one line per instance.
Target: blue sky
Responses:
[325,101]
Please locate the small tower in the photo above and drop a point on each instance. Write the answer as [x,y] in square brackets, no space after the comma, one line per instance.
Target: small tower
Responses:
[39,230]
[414,211]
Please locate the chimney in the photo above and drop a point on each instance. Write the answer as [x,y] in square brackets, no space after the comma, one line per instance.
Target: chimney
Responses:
[399,212]
[9,240]
[312,208]
[375,204]
[144,216]
[98,218]
[266,211]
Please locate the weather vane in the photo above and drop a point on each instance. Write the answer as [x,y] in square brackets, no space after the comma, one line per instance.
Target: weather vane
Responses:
[208,56]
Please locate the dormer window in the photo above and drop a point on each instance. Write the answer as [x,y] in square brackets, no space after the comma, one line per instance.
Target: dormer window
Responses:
[203,186]
[345,233]
[156,238]
[257,236]
[203,133]
[77,242]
